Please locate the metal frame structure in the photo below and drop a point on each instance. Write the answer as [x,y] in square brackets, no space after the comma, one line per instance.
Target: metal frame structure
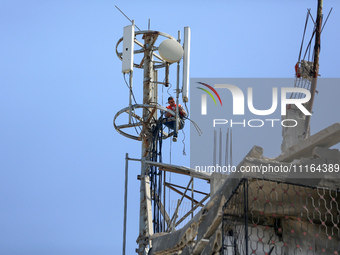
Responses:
[153,216]
[250,206]
[265,216]
[139,119]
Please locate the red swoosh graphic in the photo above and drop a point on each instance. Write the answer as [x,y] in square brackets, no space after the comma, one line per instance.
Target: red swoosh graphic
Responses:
[218,96]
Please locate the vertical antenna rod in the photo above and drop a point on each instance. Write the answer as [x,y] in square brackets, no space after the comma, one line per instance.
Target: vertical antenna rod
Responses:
[145,216]
[125,200]
[220,152]
[227,149]
[126,16]
[316,62]
[231,147]
[177,96]
[214,149]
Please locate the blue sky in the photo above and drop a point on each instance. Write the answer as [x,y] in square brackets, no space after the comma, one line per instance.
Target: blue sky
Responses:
[61,161]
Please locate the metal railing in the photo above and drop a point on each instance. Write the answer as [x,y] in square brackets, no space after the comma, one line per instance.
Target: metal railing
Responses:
[272,217]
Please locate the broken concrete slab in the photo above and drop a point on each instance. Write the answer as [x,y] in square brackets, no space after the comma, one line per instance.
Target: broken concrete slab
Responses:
[187,250]
[328,154]
[326,138]
[262,240]
[177,240]
[215,243]
[216,181]
[292,136]
[199,236]
[211,219]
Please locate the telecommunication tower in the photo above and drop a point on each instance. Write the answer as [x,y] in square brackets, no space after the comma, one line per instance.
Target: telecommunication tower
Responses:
[247,212]
[158,50]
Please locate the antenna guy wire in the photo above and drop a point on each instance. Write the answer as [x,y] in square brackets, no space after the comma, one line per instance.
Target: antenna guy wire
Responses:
[126,17]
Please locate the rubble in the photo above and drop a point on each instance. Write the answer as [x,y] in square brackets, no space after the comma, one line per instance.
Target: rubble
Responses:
[282,213]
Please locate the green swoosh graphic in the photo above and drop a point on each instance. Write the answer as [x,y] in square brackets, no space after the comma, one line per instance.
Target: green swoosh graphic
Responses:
[208,93]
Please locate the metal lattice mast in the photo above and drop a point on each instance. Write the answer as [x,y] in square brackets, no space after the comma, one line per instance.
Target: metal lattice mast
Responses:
[145,216]
[142,118]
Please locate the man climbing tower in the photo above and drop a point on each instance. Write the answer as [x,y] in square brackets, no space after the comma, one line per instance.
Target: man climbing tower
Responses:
[182,113]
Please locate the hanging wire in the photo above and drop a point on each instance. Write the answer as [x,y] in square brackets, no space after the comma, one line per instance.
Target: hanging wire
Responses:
[170,85]
[199,131]
[160,126]
[186,108]
[130,89]
[133,122]
[169,180]
[184,153]
[156,177]
[134,99]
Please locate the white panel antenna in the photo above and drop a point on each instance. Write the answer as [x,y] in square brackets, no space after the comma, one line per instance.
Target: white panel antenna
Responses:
[128,48]
[186,64]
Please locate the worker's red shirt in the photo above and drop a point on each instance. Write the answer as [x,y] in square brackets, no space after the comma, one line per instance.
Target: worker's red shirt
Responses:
[174,108]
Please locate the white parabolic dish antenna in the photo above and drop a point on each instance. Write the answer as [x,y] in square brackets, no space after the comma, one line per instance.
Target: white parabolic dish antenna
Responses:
[170,50]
